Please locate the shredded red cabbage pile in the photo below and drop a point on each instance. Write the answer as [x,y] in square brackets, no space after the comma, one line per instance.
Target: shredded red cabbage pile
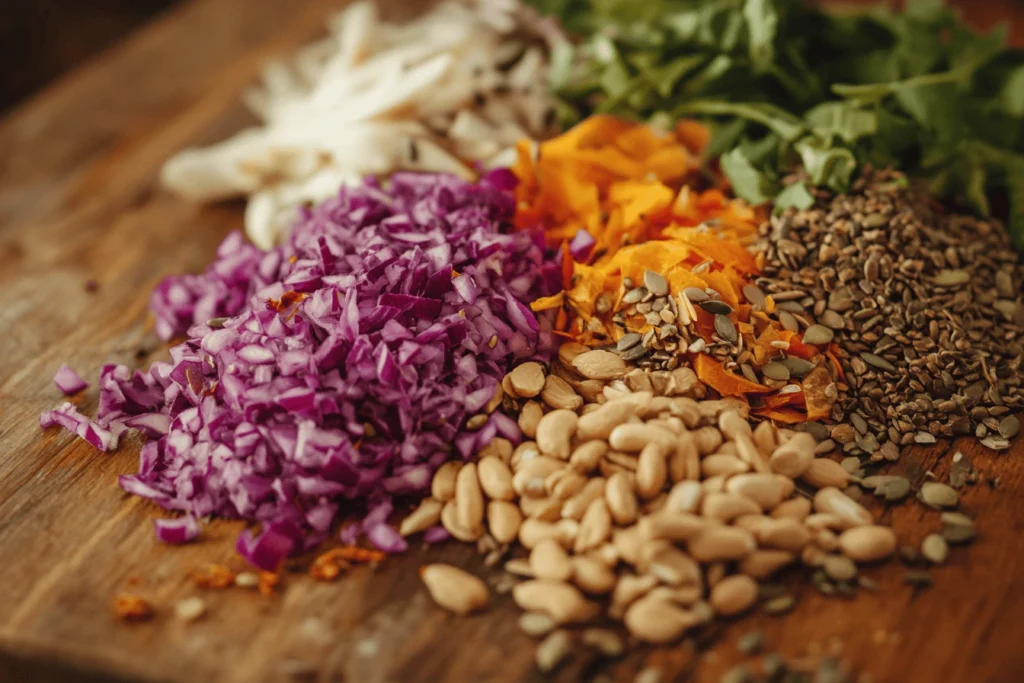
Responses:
[326,376]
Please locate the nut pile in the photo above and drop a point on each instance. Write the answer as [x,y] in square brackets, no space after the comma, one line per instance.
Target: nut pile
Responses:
[926,309]
[640,504]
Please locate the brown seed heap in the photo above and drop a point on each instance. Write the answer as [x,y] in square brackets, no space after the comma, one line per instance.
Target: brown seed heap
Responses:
[925,307]
[641,504]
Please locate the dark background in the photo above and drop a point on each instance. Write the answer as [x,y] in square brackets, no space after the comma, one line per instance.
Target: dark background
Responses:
[40,39]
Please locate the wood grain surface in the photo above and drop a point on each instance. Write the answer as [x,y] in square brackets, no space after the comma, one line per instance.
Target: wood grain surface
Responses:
[79,201]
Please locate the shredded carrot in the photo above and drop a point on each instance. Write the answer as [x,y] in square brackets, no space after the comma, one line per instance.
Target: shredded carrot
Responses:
[329,565]
[132,607]
[635,191]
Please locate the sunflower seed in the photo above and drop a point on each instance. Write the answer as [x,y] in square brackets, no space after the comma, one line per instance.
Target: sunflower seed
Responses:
[778,605]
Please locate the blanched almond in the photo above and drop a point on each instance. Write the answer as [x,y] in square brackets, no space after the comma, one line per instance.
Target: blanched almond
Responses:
[594,527]
[548,560]
[503,520]
[587,456]
[554,433]
[824,472]
[671,526]
[793,457]
[651,471]
[783,534]
[578,504]
[766,490]
[618,493]
[454,589]
[443,485]
[530,414]
[599,423]
[728,506]
[867,543]
[761,564]
[632,437]
[719,543]
[422,518]
[469,497]
[527,379]
[562,602]
[593,577]
[719,463]
[658,621]
[599,364]
[830,500]
[796,508]
[734,595]
[495,479]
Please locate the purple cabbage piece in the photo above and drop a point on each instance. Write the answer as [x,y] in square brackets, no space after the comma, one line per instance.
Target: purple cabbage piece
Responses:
[342,367]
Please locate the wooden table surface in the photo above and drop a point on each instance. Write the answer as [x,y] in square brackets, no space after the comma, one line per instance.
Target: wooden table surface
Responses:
[79,201]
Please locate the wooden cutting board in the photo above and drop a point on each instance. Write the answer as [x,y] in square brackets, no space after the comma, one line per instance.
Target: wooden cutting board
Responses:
[79,201]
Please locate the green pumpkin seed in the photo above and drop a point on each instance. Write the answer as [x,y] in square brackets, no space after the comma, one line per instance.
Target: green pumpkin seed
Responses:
[788,321]
[798,367]
[725,329]
[832,319]
[779,605]
[894,490]
[634,295]
[716,307]
[818,334]
[696,294]
[938,495]
[628,341]
[754,295]
[1009,427]
[934,548]
[775,370]
[750,643]
[655,283]
[956,519]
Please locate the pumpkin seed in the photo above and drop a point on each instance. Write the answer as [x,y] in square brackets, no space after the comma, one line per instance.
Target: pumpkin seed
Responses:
[894,489]
[775,370]
[750,643]
[938,495]
[754,295]
[934,548]
[696,294]
[716,307]
[655,283]
[798,367]
[818,334]
[628,341]
[780,604]
[725,329]
[877,362]
[958,534]
[1009,427]
[831,319]
[788,321]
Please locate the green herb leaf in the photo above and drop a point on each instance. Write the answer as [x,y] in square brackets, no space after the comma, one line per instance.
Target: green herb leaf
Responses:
[747,182]
[832,167]
[762,25]
[1011,98]
[842,119]
[795,196]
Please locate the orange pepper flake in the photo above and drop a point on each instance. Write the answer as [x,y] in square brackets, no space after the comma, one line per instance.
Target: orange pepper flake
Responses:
[132,607]
[287,300]
[268,583]
[213,576]
[329,565]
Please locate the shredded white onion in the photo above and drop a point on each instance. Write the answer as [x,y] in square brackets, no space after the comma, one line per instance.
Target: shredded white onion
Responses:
[456,88]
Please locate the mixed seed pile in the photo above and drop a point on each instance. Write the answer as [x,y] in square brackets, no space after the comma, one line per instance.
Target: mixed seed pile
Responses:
[637,503]
[926,309]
